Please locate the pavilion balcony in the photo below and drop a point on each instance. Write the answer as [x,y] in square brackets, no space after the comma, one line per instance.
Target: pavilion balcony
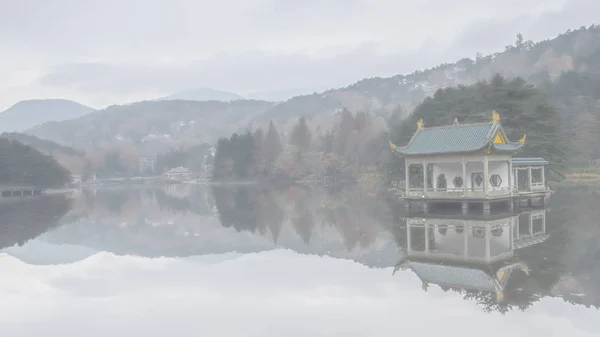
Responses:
[454,193]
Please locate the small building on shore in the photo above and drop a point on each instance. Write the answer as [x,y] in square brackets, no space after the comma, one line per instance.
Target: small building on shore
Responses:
[468,162]
[178,174]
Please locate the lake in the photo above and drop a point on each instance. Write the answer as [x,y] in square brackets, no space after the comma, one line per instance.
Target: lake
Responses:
[247,261]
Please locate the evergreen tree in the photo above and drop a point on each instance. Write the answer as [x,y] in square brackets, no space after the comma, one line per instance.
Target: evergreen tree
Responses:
[259,140]
[343,133]
[301,137]
[523,108]
[272,147]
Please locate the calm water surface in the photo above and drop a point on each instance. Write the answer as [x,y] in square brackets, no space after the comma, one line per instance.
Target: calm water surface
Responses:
[242,261]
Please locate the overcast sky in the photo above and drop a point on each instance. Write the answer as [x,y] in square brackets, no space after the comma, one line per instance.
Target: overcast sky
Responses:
[102,52]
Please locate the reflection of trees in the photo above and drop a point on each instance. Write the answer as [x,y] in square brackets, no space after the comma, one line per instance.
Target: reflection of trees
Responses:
[355,216]
[24,219]
[576,219]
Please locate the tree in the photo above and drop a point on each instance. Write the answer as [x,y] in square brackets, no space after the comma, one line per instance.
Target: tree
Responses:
[272,147]
[519,42]
[344,131]
[301,137]
[523,108]
[22,165]
[259,140]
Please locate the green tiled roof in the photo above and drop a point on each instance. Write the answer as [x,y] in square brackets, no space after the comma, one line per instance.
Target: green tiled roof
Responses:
[452,276]
[454,139]
[460,276]
[512,146]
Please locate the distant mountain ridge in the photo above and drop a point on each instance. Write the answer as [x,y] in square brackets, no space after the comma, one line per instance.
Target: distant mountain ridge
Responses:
[202,94]
[576,52]
[29,113]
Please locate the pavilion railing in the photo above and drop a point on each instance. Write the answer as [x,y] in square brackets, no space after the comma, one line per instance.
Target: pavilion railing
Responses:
[460,192]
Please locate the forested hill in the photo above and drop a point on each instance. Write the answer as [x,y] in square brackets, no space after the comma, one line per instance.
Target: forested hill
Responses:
[22,165]
[73,160]
[523,108]
[577,50]
[566,68]
[168,122]
[43,145]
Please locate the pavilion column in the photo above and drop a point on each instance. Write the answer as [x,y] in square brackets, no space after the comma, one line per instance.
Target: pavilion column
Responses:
[530,180]
[466,239]
[426,238]
[487,243]
[486,175]
[543,176]
[464,175]
[510,183]
[530,223]
[517,180]
[424,163]
[408,240]
[406,176]
[544,223]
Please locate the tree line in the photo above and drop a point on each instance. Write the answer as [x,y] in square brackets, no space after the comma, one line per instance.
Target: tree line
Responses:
[22,165]
[246,156]
[524,109]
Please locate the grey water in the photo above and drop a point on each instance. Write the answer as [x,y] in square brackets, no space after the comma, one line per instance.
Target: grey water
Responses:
[190,260]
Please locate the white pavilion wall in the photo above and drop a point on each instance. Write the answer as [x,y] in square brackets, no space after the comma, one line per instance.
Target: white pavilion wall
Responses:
[450,170]
[452,167]
[500,168]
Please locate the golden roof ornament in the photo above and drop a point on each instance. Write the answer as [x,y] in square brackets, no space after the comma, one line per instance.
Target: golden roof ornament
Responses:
[499,296]
[420,124]
[522,140]
[455,121]
[392,145]
[495,116]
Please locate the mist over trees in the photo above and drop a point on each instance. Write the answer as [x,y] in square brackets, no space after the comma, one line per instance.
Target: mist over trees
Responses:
[355,144]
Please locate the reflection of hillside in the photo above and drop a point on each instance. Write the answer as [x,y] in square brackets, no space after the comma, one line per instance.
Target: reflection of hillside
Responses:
[577,221]
[24,219]
[249,220]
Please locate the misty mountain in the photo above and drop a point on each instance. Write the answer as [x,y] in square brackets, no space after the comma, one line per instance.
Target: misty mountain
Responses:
[45,146]
[202,94]
[546,64]
[27,114]
[283,94]
[152,127]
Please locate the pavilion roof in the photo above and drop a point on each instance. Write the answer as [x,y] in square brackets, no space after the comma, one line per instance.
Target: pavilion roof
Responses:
[457,138]
[463,277]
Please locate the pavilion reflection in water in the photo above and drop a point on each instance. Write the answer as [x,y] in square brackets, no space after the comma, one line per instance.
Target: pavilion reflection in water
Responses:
[477,254]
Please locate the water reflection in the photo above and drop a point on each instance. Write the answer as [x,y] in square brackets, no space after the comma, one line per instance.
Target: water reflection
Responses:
[477,257]
[24,219]
[502,263]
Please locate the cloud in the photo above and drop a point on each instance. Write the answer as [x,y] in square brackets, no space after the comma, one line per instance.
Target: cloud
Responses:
[111,51]
[250,71]
[272,293]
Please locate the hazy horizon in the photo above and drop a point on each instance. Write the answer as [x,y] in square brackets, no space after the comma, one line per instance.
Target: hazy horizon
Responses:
[109,52]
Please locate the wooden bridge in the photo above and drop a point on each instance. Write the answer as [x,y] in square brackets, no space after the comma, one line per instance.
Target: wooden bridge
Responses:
[20,191]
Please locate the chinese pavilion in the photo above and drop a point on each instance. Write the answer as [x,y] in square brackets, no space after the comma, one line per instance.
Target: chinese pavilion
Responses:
[469,163]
